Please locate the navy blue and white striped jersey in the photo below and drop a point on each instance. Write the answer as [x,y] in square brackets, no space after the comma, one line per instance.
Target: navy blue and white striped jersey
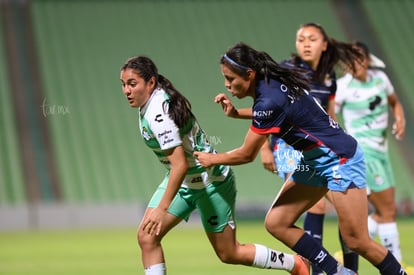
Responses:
[301,122]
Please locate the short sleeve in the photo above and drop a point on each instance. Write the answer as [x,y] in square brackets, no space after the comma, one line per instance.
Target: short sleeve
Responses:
[389,88]
[165,130]
[340,96]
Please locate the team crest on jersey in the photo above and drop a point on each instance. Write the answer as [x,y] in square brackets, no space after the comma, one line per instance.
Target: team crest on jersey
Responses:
[145,134]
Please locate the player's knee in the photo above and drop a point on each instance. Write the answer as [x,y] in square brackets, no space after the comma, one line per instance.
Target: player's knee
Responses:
[388,214]
[141,238]
[273,228]
[227,257]
[145,240]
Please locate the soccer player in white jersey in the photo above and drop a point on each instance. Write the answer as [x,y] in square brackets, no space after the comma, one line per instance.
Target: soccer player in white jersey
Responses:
[170,129]
[364,99]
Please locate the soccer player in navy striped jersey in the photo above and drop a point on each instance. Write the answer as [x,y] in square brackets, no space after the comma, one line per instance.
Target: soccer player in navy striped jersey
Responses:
[317,55]
[282,106]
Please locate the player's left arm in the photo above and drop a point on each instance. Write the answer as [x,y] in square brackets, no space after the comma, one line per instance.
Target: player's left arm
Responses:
[398,127]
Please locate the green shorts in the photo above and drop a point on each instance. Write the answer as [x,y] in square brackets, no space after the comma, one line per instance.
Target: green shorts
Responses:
[379,173]
[215,203]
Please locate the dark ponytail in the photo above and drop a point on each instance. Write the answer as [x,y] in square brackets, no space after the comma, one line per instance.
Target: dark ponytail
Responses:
[179,108]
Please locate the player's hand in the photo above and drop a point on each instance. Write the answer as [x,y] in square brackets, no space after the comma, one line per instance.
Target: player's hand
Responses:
[398,128]
[153,222]
[227,105]
[204,158]
[268,160]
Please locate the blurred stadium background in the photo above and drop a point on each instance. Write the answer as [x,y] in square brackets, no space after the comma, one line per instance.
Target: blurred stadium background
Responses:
[70,152]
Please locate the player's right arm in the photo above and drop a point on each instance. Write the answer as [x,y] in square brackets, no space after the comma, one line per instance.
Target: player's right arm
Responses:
[230,110]
[398,127]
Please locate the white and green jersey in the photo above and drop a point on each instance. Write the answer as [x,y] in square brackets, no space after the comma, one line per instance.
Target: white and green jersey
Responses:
[364,107]
[160,133]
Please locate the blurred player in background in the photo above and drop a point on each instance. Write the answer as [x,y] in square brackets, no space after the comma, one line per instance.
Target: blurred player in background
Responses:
[170,129]
[364,99]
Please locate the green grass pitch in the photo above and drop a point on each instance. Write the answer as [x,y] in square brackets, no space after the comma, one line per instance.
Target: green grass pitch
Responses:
[115,251]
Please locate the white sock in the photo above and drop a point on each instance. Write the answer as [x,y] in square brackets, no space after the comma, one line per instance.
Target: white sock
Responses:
[388,234]
[156,269]
[269,258]
[372,227]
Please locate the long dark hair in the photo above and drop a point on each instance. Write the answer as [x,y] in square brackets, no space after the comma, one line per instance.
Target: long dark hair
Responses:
[241,57]
[363,48]
[179,108]
[337,53]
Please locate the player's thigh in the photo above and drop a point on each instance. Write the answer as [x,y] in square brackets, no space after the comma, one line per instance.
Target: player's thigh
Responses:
[216,205]
[384,204]
[292,200]
[352,210]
